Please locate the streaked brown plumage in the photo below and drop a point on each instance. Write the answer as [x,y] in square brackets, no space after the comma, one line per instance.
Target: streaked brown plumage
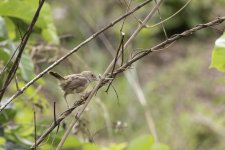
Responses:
[74,83]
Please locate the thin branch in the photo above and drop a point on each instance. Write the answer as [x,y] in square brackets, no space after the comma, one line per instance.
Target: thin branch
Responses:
[161,22]
[21,47]
[59,120]
[107,71]
[171,40]
[121,69]
[35,129]
[118,51]
[160,18]
[128,8]
[54,111]
[17,85]
[59,147]
[117,96]
[71,52]
[13,54]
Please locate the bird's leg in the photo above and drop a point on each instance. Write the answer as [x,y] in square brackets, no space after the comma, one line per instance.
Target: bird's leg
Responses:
[65,94]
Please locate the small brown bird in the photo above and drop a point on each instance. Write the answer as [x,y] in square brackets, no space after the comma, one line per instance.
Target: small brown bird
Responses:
[74,83]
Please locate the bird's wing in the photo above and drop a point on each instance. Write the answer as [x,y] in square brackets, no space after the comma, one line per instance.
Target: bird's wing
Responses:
[74,82]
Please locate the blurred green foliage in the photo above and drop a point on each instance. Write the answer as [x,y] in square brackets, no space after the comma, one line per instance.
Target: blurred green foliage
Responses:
[182,93]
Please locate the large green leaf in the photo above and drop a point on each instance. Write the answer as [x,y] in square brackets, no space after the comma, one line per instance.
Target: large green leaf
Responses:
[25,10]
[218,54]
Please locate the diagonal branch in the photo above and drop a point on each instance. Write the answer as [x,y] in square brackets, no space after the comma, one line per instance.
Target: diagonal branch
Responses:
[110,67]
[71,52]
[121,69]
[20,48]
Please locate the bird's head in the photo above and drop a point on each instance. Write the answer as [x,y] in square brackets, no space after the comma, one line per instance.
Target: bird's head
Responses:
[89,75]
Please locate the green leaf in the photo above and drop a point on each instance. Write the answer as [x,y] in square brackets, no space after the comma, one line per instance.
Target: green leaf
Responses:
[143,142]
[120,146]
[25,115]
[26,67]
[90,146]
[71,142]
[4,55]
[218,54]
[2,141]
[11,28]
[7,115]
[25,11]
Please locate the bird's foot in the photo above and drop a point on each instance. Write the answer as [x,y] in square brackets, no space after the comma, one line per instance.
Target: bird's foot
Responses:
[84,95]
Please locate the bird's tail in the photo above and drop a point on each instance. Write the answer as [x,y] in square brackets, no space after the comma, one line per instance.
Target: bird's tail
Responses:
[56,75]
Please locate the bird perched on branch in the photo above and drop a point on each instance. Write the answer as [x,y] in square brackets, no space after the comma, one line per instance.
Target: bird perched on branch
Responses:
[74,83]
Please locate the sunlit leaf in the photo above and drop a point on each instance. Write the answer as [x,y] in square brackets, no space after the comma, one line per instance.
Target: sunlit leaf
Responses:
[11,28]
[2,141]
[143,142]
[121,146]
[90,146]
[218,54]
[72,142]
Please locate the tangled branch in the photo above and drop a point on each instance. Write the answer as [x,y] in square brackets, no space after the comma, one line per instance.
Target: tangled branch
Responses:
[20,50]
[121,69]
[19,92]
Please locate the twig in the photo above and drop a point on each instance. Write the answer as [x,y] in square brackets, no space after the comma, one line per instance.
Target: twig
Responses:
[54,112]
[21,47]
[121,69]
[59,120]
[161,22]
[13,54]
[17,85]
[117,96]
[171,40]
[118,51]
[67,133]
[128,7]
[71,52]
[160,18]
[107,71]
[35,129]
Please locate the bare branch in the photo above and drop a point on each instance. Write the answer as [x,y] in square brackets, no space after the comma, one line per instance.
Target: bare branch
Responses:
[21,47]
[121,69]
[71,52]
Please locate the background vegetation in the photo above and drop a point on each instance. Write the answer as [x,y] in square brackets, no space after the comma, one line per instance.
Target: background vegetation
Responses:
[185,99]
